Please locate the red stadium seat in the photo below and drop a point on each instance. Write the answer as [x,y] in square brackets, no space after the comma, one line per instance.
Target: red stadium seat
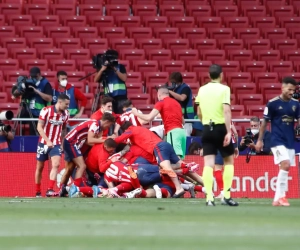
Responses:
[182,22]
[294,33]
[213,55]
[118,2]
[3,97]
[9,64]
[95,43]
[145,108]
[126,64]
[285,74]
[134,87]
[101,21]
[297,66]
[145,66]
[81,32]
[190,78]
[128,21]
[133,54]
[81,86]
[91,9]
[267,55]
[238,88]
[166,32]
[232,99]
[265,77]
[138,99]
[10,9]
[7,31]
[85,65]
[256,110]
[159,54]
[41,63]
[20,20]
[174,44]
[112,32]
[14,107]
[229,66]
[220,33]
[254,10]
[284,44]
[12,75]
[156,77]
[117,10]
[172,66]
[48,20]
[281,11]
[6,88]
[268,97]
[197,10]
[193,33]
[250,99]
[238,77]
[204,44]
[40,42]
[122,43]
[3,54]
[147,43]
[254,66]
[270,88]
[263,22]
[50,75]
[51,53]
[2,20]
[236,22]
[257,44]
[155,21]
[274,33]
[36,9]
[74,21]
[144,10]
[73,76]
[228,44]
[195,2]
[68,43]
[151,89]
[247,33]
[139,32]
[31,31]
[171,10]
[63,9]
[77,54]
[226,10]
[198,66]
[20,53]
[169,2]
[291,55]
[240,55]
[10,42]
[58,32]
[237,110]
[281,66]
[65,65]
[186,54]
[289,22]
[209,22]
[223,2]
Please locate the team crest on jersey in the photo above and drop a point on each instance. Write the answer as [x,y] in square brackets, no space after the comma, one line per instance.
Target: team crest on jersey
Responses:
[56,122]
[294,108]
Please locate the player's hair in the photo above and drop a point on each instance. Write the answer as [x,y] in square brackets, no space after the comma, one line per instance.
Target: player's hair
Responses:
[254,119]
[215,71]
[63,97]
[127,103]
[176,77]
[61,73]
[108,117]
[106,99]
[289,80]
[110,143]
[126,125]
[163,90]
[194,146]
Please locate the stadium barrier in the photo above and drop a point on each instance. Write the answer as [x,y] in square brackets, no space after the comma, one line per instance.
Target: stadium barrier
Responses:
[253,180]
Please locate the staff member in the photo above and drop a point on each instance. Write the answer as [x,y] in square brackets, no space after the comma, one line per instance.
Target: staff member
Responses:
[215,114]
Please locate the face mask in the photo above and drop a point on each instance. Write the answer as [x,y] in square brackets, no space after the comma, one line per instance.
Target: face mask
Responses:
[108,111]
[254,131]
[63,83]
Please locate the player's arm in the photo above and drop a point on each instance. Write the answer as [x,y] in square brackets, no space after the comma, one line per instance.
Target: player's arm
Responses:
[127,134]
[146,117]
[235,134]
[64,130]
[116,130]
[41,125]
[267,116]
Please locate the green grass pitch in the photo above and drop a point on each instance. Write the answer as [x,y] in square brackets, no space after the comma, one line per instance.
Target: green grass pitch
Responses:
[146,224]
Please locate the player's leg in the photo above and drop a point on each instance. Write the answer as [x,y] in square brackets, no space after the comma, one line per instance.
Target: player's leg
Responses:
[80,164]
[148,174]
[218,169]
[41,157]
[177,138]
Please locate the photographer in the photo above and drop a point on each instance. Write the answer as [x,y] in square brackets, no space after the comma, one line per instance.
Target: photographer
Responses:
[36,92]
[113,77]
[5,138]
[249,140]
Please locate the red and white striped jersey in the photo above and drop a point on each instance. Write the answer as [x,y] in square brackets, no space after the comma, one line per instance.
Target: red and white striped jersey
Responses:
[118,172]
[79,134]
[232,134]
[53,124]
[128,116]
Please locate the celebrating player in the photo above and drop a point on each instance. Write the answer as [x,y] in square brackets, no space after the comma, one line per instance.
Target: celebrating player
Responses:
[52,121]
[281,111]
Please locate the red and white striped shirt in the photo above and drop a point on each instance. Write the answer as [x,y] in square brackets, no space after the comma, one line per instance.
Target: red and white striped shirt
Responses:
[232,134]
[53,124]
[118,172]
[128,116]
[79,134]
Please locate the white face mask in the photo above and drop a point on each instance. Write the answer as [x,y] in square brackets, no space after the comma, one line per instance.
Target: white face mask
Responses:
[63,83]
[108,111]
[254,131]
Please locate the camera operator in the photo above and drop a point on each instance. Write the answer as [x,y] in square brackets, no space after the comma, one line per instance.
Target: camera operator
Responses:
[249,140]
[113,77]
[36,91]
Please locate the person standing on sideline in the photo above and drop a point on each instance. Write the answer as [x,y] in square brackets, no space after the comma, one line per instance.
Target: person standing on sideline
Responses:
[282,112]
[215,113]
[172,117]
[51,127]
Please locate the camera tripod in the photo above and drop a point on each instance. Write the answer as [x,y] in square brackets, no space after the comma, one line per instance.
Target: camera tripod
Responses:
[23,104]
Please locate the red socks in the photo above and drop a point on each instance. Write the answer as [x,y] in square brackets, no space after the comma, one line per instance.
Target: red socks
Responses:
[88,191]
[38,187]
[164,192]
[219,179]
[143,194]
[124,187]
[77,182]
[198,188]
[51,184]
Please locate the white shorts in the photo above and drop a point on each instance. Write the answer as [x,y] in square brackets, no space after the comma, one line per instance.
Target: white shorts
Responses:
[281,153]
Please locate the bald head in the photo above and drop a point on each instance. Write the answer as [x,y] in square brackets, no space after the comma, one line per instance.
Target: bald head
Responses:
[162,92]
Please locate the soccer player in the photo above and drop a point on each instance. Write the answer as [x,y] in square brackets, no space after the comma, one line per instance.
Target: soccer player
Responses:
[281,111]
[85,133]
[215,113]
[51,127]
[172,117]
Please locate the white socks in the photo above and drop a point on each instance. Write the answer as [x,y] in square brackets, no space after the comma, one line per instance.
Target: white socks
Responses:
[281,184]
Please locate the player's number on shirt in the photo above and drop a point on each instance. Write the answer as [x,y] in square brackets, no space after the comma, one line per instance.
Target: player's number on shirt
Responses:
[129,117]
[112,172]
[40,150]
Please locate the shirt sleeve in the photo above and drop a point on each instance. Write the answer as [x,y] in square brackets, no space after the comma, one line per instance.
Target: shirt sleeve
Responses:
[127,134]
[43,114]
[67,117]
[197,99]
[79,96]
[268,111]
[226,96]
[94,127]
[158,105]
[122,69]
[48,89]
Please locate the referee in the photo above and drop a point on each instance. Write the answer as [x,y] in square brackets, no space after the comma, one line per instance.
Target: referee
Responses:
[215,113]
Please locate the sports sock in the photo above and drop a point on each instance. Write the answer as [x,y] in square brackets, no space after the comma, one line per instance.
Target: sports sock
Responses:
[281,184]
[77,182]
[124,187]
[88,191]
[164,192]
[198,189]
[219,179]
[51,184]
[38,187]
[227,179]
[143,194]
[208,182]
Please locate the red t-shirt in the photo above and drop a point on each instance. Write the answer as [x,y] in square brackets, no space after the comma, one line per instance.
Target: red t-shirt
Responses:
[171,113]
[97,160]
[98,116]
[136,151]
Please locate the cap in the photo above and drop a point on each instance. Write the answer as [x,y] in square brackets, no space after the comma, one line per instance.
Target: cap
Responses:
[34,71]
[215,68]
